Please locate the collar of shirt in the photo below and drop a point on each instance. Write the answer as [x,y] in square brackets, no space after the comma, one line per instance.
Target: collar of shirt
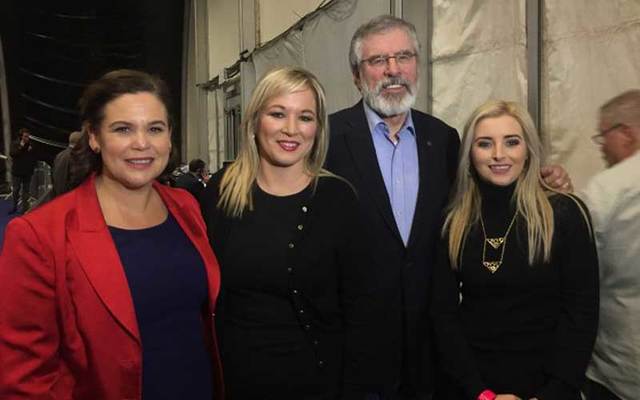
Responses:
[377,126]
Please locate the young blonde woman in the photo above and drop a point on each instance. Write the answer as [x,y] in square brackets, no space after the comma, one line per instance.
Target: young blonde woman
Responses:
[515,292]
[293,316]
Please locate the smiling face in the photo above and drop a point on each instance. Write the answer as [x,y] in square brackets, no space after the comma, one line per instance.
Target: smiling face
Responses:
[287,129]
[390,88]
[498,151]
[134,140]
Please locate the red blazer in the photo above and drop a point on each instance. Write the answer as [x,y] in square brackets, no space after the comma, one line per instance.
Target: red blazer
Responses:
[68,328]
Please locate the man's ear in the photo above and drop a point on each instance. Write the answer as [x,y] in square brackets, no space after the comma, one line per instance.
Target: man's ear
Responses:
[630,137]
[634,141]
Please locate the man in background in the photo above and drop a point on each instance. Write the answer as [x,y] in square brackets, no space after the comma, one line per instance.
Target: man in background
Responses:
[195,180]
[613,197]
[23,164]
[61,166]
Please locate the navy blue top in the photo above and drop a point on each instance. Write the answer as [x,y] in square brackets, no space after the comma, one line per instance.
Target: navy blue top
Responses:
[168,284]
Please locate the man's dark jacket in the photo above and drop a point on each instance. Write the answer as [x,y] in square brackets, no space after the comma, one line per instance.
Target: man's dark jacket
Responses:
[23,159]
[190,182]
[403,273]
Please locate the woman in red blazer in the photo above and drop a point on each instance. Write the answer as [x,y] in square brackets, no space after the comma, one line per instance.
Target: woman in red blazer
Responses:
[108,291]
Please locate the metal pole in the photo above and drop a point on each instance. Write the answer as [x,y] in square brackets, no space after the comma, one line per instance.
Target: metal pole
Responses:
[4,103]
[534,59]
[428,57]
[396,8]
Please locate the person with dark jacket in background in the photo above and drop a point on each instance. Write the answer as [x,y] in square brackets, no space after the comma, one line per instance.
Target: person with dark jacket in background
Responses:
[194,180]
[23,163]
[61,173]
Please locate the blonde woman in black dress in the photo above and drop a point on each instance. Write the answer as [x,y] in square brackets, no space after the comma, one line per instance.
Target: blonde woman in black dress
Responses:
[294,316]
[515,296]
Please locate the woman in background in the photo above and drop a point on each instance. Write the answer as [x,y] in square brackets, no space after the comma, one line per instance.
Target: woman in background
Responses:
[107,292]
[293,312]
[515,297]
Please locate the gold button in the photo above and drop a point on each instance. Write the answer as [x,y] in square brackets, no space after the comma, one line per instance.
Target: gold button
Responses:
[300,227]
[304,209]
[291,245]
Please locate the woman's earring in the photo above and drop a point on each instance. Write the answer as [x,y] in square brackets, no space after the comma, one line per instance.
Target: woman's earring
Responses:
[96,150]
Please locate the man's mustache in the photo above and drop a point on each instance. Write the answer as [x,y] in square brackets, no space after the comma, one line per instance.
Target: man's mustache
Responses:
[393,81]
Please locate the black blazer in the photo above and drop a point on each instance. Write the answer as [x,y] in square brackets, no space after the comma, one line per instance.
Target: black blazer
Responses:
[23,157]
[403,273]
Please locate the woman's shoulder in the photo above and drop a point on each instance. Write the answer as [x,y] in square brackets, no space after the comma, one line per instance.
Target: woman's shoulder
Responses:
[336,188]
[566,203]
[179,195]
[51,218]
[336,184]
[569,208]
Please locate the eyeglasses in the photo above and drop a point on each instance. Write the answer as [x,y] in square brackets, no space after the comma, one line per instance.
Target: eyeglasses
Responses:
[402,58]
[599,138]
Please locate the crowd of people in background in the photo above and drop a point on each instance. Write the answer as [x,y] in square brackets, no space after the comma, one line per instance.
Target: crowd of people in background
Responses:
[369,254]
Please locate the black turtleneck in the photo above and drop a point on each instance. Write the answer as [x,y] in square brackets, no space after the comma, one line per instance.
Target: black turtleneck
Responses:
[525,329]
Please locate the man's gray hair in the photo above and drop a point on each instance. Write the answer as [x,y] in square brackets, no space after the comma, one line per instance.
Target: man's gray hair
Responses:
[623,109]
[377,25]
[74,138]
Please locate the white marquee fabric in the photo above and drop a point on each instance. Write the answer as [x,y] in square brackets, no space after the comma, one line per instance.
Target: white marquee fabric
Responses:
[322,46]
[589,53]
[478,53]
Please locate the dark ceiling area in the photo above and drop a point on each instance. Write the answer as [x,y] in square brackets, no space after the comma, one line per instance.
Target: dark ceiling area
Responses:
[53,49]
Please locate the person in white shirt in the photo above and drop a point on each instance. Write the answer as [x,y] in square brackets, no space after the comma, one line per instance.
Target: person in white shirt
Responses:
[613,196]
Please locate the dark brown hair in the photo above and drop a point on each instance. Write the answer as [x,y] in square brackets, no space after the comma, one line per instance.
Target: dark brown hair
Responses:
[92,104]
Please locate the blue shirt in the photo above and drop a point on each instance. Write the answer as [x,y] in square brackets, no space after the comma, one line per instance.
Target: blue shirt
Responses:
[398,164]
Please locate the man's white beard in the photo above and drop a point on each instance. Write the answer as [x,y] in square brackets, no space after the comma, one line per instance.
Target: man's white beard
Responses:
[391,104]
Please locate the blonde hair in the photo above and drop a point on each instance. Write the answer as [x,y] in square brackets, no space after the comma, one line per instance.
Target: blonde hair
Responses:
[530,195]
[238,180]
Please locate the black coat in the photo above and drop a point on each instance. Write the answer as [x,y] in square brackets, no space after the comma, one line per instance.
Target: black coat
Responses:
[23,159]
[60,173]
[403,273]
[191,183]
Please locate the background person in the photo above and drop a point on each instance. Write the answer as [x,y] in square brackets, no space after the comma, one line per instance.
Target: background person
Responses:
[22,166]
[61,172]
[515,290]
[613,196]
[194,181]
[107,291]
[295,316]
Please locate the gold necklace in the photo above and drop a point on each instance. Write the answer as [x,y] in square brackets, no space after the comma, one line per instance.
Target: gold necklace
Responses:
[494,242]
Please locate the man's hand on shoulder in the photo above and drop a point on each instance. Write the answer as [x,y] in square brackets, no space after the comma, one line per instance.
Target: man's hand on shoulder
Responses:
[557,178]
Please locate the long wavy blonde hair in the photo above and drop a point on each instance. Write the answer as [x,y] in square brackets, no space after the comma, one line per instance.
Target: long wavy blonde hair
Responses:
[238,180]
[530,195]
